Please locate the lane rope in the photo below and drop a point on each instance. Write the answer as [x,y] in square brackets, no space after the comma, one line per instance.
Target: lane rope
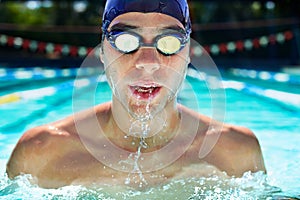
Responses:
[38,73]
[286,99]
[51,90]
[266,75]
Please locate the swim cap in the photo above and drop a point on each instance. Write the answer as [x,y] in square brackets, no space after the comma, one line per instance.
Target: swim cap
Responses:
[174,8]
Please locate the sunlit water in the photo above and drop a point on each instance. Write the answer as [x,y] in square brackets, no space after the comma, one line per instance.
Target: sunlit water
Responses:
[276,127]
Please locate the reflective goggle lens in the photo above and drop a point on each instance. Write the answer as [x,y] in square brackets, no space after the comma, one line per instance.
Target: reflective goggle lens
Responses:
[127,42]
[168,44]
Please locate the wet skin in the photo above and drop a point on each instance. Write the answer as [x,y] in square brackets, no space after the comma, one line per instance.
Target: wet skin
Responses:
[55,155]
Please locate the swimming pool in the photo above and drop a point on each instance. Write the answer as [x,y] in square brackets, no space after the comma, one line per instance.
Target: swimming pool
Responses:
[251,101]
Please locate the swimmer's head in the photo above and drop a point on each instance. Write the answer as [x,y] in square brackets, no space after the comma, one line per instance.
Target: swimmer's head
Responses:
[174,8]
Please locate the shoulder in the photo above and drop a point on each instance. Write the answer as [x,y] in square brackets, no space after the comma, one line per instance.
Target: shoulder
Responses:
[231,148]
[35,148]
[238,135]
[237,151]
[39,145]
[43,135]
[227,132]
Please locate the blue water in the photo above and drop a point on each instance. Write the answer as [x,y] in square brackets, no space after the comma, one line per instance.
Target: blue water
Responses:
[276,126]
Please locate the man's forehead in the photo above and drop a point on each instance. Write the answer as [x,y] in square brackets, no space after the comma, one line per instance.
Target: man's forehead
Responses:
[124,27]
[136,20]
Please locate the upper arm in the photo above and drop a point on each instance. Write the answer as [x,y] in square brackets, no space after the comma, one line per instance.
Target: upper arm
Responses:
[247,151]
[15,163]
[27,153]
[237,151]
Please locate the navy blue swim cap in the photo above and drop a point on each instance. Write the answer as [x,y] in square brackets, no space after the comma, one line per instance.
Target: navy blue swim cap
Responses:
[174,8]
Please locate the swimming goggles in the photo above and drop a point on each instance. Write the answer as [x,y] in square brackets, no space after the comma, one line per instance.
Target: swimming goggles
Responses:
[168,43]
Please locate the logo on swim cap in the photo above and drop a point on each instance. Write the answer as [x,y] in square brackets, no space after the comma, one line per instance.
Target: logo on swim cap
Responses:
[174,8]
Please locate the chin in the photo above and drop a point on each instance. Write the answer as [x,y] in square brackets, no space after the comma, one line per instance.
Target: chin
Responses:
[145,109]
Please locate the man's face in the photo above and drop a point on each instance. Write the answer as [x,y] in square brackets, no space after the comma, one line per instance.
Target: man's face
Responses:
[145,80]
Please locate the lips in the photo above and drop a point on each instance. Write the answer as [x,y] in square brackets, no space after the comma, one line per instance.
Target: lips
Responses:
[145,91]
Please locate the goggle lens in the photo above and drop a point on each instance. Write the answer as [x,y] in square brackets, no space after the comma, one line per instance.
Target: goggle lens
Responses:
[126,43]
[167,44]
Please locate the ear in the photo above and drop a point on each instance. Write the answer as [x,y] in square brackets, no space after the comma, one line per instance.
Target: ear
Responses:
[101,53]
[189,58]
[189,52]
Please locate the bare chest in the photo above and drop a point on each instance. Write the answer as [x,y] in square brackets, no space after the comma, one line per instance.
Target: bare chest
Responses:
[84,169]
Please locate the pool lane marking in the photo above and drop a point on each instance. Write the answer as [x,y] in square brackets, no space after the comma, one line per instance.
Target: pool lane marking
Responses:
[266,76]
[66,88]
[285,98]
[38,73]
[9,98]
[33,94]
[51,90]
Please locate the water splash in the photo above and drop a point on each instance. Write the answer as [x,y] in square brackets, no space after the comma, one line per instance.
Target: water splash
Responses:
[251,186]
[139,128]
[136,174]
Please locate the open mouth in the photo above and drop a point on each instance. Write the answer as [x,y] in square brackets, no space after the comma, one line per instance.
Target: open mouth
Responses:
[145,91]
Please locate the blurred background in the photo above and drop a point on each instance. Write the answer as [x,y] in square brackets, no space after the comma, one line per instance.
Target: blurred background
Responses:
[247,34]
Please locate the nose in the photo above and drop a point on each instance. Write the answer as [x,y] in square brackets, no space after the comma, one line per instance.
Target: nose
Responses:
[148,59]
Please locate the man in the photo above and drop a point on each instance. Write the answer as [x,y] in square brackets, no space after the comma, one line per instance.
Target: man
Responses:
[142,137]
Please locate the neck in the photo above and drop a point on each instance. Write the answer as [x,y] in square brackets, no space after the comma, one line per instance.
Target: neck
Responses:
[154,131]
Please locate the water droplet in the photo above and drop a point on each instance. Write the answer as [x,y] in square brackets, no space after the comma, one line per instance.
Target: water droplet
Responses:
[127,181]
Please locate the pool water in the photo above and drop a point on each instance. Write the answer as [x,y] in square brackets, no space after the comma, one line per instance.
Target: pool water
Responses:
[276,125]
